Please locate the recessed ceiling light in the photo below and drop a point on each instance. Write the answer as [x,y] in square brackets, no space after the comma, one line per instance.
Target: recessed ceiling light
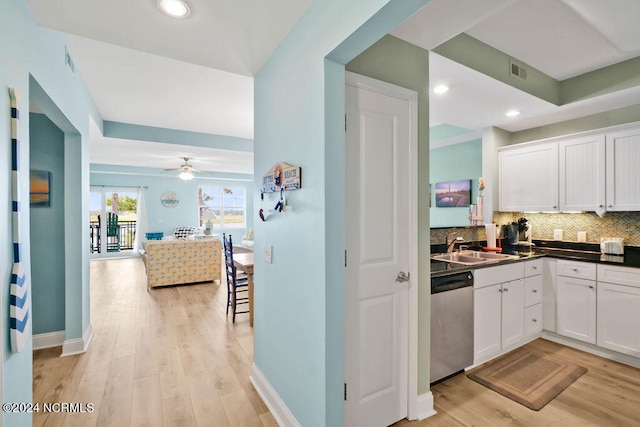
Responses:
[174,8]
[512,113]
[440,89]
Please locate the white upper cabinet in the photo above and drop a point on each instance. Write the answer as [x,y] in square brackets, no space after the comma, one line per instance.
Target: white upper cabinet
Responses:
[623,170]
[529,178]
[582,173]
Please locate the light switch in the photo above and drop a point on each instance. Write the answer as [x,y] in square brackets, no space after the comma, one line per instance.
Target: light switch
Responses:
[267,253]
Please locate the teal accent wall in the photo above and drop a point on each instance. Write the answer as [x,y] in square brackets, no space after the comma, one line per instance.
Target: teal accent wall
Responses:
[396,61]
[33,54]
[162,219]
[299,119]
[444,131]
[47,229]
[451,163]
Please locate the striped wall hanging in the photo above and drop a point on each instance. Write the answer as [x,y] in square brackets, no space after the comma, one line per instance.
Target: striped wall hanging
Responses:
[19,298]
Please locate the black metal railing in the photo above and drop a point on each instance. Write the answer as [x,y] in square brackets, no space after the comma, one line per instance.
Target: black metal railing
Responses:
[127,236]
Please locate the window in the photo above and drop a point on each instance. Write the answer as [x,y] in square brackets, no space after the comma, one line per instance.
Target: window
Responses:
[223,207]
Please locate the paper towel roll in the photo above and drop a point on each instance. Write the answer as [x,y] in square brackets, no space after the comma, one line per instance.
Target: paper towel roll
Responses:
[491,235]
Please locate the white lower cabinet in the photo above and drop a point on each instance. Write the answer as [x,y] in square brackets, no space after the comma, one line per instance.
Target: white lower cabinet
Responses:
[498,297]
[533,320]
[619,309]
[576,305]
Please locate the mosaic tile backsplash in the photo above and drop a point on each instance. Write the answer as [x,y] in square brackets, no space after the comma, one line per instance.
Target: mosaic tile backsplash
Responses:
[613,224]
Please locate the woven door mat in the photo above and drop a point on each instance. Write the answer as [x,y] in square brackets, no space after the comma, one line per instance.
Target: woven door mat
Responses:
[530,378]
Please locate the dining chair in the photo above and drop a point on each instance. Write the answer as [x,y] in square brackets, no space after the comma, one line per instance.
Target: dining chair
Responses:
[237,280]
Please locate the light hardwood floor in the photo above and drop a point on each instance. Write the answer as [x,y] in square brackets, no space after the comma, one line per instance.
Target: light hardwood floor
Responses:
[608,395]
[169,357]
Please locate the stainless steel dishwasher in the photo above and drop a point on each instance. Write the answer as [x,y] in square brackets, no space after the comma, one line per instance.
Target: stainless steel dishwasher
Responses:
[451,324]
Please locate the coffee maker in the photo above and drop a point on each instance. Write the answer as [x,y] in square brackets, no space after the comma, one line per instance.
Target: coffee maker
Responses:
[519,234]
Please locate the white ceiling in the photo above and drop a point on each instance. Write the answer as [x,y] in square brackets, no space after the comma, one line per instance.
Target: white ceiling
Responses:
[196,73]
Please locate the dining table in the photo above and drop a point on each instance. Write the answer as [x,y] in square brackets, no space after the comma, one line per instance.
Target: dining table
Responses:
[244,262]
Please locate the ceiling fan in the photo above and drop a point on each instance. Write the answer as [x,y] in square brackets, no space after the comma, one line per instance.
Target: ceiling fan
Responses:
[186,169]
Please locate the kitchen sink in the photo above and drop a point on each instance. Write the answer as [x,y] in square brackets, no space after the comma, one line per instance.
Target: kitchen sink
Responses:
[472,257]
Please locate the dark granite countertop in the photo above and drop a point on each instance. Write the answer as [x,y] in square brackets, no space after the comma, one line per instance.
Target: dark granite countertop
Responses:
[586,252]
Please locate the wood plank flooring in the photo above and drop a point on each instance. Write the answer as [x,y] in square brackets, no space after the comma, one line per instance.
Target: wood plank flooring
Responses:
[607,395]
[169,357]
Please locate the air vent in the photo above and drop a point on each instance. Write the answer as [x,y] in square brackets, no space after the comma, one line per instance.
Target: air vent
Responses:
[517,71]
[68,61]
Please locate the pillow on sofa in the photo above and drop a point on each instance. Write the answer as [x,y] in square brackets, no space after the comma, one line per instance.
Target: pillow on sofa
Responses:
[183,232]
[248,235]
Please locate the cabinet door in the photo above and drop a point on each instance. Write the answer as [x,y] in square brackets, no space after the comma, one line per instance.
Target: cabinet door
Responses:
[533,320]
[512,312]
[581,164]
[576,305]
[623,179]
[487,319]
[528,178]
[619,318]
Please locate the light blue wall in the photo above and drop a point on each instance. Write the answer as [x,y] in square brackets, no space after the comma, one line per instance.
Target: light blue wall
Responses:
[30,51]
[47,228]
[450,163]
[299,119]
[160,218]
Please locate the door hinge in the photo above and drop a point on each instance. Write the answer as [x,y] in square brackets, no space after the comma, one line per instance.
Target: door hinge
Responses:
[345,391]
[345,257]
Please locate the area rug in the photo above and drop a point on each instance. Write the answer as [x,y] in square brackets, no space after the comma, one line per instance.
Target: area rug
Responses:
[530,378]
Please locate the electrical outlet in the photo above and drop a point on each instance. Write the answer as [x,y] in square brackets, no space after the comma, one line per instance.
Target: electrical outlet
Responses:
[268,249]
[582,236]
[557,234]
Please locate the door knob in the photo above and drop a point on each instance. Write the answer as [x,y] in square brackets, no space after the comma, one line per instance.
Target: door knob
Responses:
[403,277]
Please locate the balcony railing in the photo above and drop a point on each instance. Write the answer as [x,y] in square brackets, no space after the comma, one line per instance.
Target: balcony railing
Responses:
[127,235]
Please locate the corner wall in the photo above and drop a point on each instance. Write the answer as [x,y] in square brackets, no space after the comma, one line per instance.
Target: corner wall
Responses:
[47,229]
[31,51]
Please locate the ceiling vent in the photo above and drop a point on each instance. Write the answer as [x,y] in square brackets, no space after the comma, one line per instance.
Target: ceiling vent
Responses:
[517,71]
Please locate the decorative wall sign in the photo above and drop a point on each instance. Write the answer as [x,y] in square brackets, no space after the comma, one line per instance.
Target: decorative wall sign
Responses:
[169,199]
[281,175]
[19,297]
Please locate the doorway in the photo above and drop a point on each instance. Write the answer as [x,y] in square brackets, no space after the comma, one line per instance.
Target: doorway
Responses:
[381,272]
[112,221]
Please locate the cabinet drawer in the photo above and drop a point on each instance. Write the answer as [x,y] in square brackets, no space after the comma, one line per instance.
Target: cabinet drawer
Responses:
[619,275]
[532,290]
[533,267]
[499,274]
[533,320]
[580,270]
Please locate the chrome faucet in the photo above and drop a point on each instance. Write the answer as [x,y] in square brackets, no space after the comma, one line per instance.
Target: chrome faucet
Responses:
[452,239]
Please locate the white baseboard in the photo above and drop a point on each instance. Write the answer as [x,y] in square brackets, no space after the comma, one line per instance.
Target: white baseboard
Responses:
[425,406]
[48,340]
[78,345]
[276,405]
[592,348]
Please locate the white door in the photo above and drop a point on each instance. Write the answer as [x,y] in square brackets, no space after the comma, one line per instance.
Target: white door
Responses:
[487,315]
[623,181]
[619,318]
[378,225]
[528,178]
[512,312]
[582,169]
[576,302]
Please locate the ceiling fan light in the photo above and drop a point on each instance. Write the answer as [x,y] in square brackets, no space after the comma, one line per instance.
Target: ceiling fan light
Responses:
[186,175]
[174,8]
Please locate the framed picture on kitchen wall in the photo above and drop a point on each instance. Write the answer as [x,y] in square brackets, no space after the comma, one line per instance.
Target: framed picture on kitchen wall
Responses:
[39,192]
[453,194]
